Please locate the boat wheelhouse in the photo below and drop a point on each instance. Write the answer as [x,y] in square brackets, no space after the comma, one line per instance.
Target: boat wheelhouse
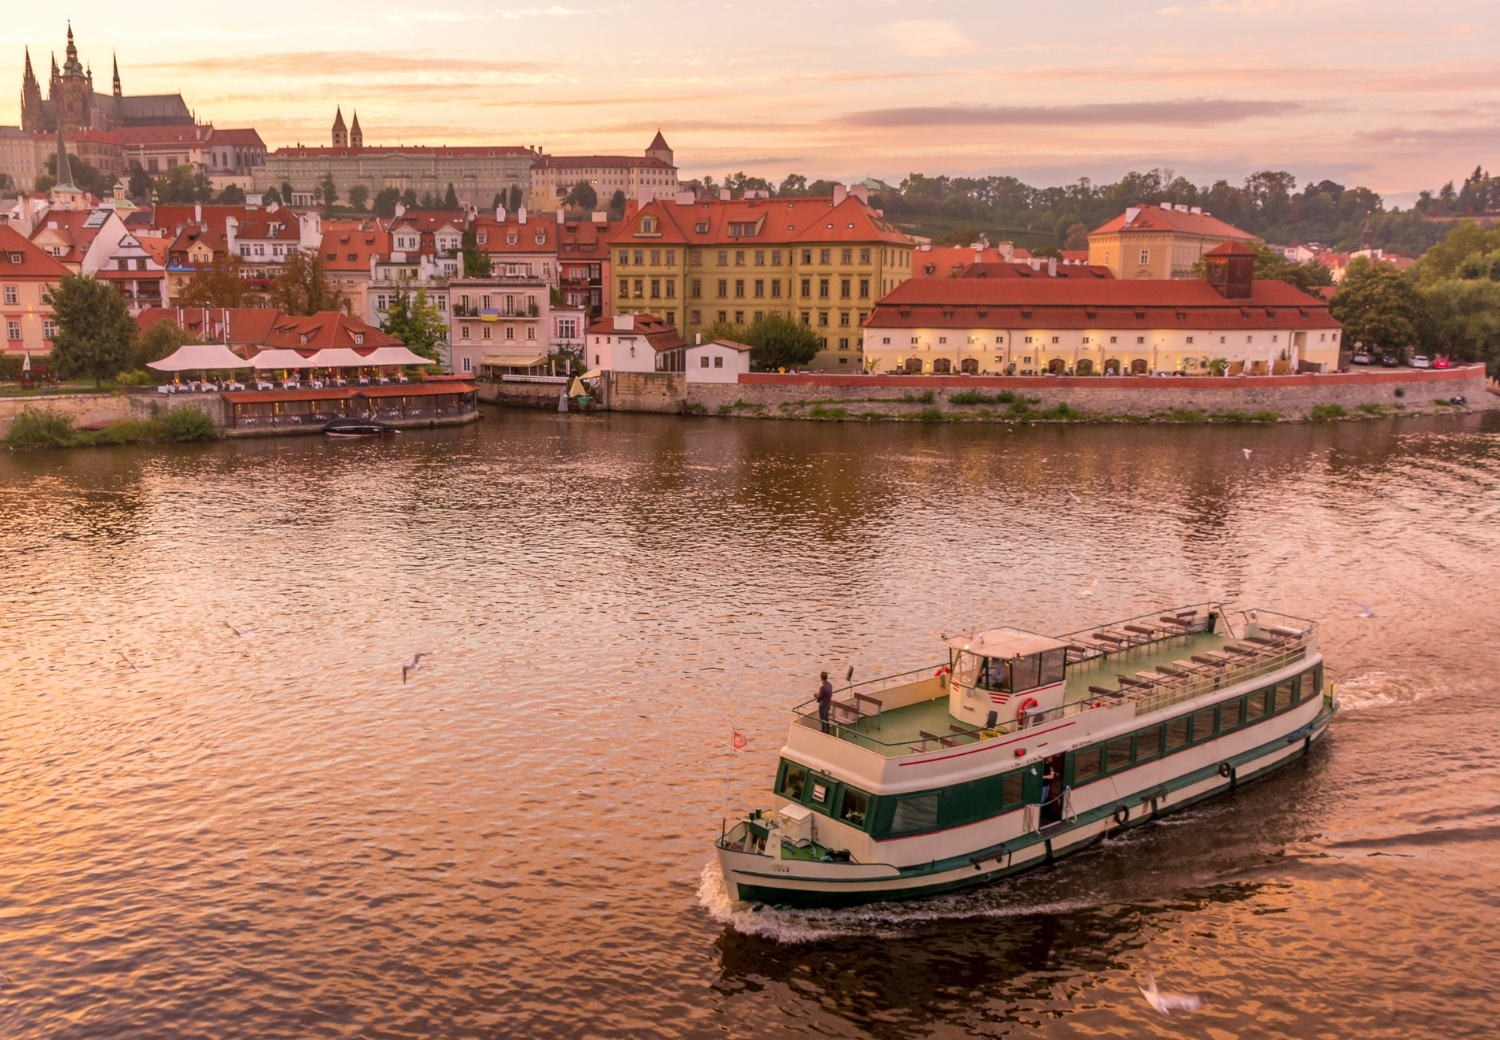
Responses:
[1022,748]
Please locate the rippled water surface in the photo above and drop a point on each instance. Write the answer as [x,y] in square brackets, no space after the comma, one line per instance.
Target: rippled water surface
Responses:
[266,834]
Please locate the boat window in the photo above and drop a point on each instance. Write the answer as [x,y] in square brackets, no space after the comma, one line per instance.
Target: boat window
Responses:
[1177,733]
[1024,672]
[1203,723]
[1013,790]
[854,807]
[967,668]
[1118,753]
[792,781]
[993,676]
[1283,696]
[1317,681]
[915,814]
[1087,763]
[1297,689]
[820,793]
[1231,714]
[1053,662]
[1148,743]
[1255,705]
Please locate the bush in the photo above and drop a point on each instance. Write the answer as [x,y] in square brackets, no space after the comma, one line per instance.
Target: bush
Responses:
[1372,409]
[1184,415]
[696,408]
[187,424]
[925,397]
[820,412]
[1400,391]
[1245,417]
[726,409]
[929,414]
[40,428]
[1061,411]
[139,377]
[1324,412]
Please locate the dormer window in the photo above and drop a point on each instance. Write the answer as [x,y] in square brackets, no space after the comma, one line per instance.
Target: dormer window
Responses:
[510,239]
[482,238]
[703,228]
[359,338]
[648,225]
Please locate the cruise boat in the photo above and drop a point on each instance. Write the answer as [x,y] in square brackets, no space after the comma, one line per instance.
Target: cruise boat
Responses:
[1022,748]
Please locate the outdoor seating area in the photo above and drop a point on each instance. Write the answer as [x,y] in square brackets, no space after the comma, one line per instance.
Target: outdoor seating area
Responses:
[253,410]
[284,369]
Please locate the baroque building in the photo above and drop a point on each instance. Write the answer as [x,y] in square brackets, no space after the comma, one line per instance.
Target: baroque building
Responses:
[72,104]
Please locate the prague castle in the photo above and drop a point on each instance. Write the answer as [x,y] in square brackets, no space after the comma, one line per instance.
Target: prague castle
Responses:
[71,101]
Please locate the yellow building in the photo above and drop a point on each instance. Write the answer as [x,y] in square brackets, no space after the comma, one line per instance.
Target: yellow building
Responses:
[26,275]
[1159,241]
[821,261]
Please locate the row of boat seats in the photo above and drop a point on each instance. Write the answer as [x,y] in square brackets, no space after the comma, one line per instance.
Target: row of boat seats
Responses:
[959,733]
[861,706]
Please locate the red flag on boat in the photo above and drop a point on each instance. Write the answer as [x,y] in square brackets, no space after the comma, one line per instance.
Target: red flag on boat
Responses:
[740,741]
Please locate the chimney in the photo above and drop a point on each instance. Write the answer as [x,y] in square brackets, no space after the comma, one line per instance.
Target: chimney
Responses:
[1007,251]
[500,214]
[198,212]
[724,195]
[599,217]
[1197,211]
[840,193]
[521,215]
[684,198]
[561,218]
[231,229]
[400,209]
[699,337]
[1131,212]
[1051,267]
[624,322]
[1035,263]
[861,192]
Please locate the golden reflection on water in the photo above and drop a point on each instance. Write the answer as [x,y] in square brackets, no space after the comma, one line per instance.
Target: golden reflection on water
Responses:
[266,836]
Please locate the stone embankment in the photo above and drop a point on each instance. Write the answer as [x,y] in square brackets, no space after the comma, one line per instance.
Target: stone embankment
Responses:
[1098,398]
[96,409]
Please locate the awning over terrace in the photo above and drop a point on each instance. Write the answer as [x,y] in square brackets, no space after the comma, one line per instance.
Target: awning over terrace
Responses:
[269,359]
[194,357]
[394,356]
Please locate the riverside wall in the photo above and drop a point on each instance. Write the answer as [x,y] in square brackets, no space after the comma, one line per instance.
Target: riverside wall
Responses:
[521,395]
[1290,396]
[92,409]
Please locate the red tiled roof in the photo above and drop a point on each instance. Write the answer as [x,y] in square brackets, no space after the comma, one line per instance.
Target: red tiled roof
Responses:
[1058,304]
[1156,218]
[1020,269]
[247,325]
[325,329]
[430,219]
[131,136]
[949,261]
[351,250]
[573,162]
[171,218]
[1230,248]
[156,248]
[494,237]
[245,138]
[577,233]
[775,222]
[657,332]
[33,263]
[444,151]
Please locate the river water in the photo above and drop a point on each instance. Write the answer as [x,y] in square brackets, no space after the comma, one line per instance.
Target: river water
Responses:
[206,833]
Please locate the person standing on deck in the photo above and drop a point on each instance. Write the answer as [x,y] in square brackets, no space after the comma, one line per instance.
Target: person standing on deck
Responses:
[825,701]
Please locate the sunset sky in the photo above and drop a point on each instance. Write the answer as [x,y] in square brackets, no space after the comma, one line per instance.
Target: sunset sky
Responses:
[1395,96]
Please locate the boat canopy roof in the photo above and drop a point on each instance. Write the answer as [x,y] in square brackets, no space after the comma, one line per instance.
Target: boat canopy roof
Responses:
[1005,642]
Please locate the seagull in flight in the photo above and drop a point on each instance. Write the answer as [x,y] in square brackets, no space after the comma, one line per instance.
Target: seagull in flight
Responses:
[1166,1003]
[1364,610]
[1090,590]
[129,662]
[416,662]
[1246,451]
[237,632]
[1074,497]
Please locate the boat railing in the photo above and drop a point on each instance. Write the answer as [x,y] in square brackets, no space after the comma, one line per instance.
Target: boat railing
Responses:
[1262,663]
[1144,633]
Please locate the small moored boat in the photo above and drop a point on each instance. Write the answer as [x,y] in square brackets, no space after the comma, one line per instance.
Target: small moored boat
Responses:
[354,427]
[1022,748]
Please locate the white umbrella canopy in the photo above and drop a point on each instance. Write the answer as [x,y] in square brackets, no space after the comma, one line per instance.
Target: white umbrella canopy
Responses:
[338,357]
[192,357]
[280,359]
[394,356]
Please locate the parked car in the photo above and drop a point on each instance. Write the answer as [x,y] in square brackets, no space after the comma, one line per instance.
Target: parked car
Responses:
[1421,361]
[1441,362]
[1390,361]
[1361,357]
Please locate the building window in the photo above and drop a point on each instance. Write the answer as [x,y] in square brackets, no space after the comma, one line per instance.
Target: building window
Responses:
[1140,339]
[760,288]
[640,287]
[466,364]
[485,334]
[1054,339]
[510,332]
[760,258]
[696,257]
[823,288]
[624,288]
[718,361]
[775,258]
[655,257]
[807,287]
[864,288]
[463,332]
[639,258]
[696,318]
[844,343]
[531,332]
[671,288]
[12,295]
[656,288]
[703,361]
[625,258]
[847,256]
[723,316]
[739,288]
[864,256]
[723,288]
[776,288]
[807,317]
[13,329]
[844,288]
[844,321]
[49,329]
[723,258]
[1190,340]
[823,319]
[739,258]
[807,256]
[1145,256]
[697,288]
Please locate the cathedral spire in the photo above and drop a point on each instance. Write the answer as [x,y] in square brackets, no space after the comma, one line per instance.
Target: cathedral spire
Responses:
[28,77]
[340,134]
[356,135]
[116,60]
[64,171]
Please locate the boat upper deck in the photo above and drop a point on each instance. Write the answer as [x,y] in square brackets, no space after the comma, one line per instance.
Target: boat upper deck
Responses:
[1149,666]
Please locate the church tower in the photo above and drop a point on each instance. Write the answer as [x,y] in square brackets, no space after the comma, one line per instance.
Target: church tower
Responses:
[33,120]
[356,135]
[340,134]
[76,90]
[658,149]
[117,75]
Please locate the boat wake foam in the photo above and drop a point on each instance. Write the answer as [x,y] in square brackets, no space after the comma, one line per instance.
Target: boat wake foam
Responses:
[883,919]
[1378,689]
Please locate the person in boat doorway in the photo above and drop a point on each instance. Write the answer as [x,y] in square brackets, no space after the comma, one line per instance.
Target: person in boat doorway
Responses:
[1052,786]
[825,701]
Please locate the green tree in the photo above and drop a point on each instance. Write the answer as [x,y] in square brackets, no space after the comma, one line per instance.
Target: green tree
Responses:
[286,193]
[140,182]
[232,195]
[303,287]
[739,183]
[271,195]
[1076,236]
[583,196]
[450,199]
[94,328]
[476,260]
[1463,240]
[617,202]
[358,196]
[780,342]
[409,198]
[959,236]
[1379,308]
[416,323]
[157,342]
[723,330]
[795,184]
[182,185]
[328,192]
[7,183]
[498,200]
[1463,321]
[515,197]
[386,201]
[222,284]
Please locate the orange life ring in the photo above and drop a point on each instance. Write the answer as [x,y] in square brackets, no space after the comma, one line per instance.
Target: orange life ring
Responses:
[944,670]
[1029,702]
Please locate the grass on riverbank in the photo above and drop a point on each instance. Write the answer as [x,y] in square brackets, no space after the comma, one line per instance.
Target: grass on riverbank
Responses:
[17,390]
[48,428]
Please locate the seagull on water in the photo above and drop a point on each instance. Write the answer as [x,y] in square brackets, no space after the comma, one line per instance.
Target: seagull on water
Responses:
[416,662]
[1166,1003]
[1364,610]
